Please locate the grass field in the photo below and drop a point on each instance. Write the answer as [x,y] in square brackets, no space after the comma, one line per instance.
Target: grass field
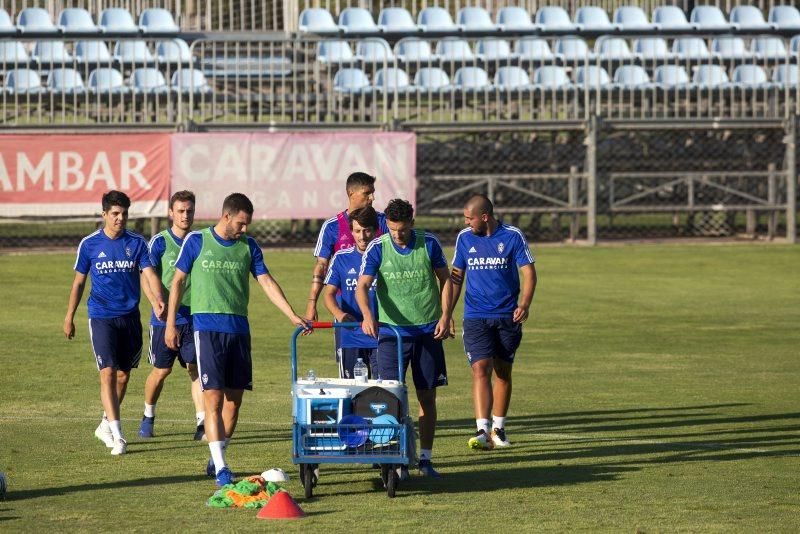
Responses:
[656,390]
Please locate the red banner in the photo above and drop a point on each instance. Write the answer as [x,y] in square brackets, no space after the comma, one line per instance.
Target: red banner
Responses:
[68,174]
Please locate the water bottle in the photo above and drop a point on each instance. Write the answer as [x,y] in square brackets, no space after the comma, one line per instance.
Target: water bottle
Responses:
[311,376]
[360,372]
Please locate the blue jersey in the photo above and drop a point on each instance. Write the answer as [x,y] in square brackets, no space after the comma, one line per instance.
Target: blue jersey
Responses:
[114,267]
[157,248]
[219,322]
[343,275]
[329,235]
[372,260]
[491,267]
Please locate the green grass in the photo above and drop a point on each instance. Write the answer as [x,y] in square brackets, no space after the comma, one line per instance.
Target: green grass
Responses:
[656,390]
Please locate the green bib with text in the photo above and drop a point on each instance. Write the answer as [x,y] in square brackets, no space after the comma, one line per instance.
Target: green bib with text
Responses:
[167,269]
[220,281]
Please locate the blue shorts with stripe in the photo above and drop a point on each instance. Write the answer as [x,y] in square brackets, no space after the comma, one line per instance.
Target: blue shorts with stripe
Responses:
[117,342]
[491,338]
[163,357]
[223,360]
[423,352]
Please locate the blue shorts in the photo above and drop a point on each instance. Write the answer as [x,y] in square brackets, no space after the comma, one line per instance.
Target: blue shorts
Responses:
[117,342]
[223,360]
[491,338]
[163,357]
[348,356]
[425,354]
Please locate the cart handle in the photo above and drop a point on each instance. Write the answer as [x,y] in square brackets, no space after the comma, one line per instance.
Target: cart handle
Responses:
[328,324]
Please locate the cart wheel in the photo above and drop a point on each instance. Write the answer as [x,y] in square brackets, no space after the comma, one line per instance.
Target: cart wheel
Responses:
[308,480]
[391,481]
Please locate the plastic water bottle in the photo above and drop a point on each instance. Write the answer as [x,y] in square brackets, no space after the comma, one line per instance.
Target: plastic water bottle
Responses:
[360,372]
[311,376]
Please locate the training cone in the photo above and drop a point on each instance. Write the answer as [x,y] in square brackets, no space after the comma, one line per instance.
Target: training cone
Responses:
[281,506]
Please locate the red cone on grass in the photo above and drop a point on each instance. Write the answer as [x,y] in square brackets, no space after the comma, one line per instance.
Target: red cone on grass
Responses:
[281,506]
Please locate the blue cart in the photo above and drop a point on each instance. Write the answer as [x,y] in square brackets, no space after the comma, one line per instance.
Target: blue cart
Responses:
[319,438]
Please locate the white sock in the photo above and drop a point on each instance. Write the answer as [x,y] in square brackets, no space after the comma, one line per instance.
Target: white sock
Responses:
[425,454]
[149,410]
[200,417]
[104,423]
[116,429]
[482,424]
[217,449]
[498,422]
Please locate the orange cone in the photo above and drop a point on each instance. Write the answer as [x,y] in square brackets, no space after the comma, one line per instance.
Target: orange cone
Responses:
[281,506]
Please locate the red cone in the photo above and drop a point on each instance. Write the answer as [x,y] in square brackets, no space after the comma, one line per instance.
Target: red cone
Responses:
[281,506]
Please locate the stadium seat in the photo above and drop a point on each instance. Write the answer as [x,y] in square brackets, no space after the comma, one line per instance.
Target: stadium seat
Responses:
[512,78]
[6,24]
[334,52]
[553,18]
[13,53]
[551,77]
[592,76]
[534,49]
[190,82]
[474,19]
[785,17]
[729,48]
[435,19]
[471,79]
[514,18]
[631,77]
[174,51]
[396,19]
[432,80]
[357,19]
[157,20]
[351,81]
[573,49]
[768,48]
[75,19]
[752,76]
[710,76]
[613,48]
[632,18]
[392,80]
[669,76]
[107,81]
[454,49]
[413,50]
[708,18]
[92,52]
[494,50]
[316,20]
[749,18]
[117,20]
[794,45]
[374,50]
[65,82]
[148,81]
[23,82]
[130,53]
[670,18]
[786,75]
[35,19]
[592,18]
[51,53]
[692,48]
[651,48]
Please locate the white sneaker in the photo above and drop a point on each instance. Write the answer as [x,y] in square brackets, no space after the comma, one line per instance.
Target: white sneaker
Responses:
[103,433]
[499,437]
[120,447]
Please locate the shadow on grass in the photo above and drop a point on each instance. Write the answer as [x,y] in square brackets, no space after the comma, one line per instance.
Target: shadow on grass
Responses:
[117,484]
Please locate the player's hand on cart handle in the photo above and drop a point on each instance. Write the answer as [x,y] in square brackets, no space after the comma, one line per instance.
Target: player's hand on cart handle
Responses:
[69,328]
[370,327]
[171,339]
[303,323]
[520,314]
[311,314]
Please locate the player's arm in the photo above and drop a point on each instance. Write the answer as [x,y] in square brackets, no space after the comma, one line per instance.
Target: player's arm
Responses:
[275,294]
[75,295]
[369,325]
[175,295]
[152,290]
[456,282]
[528,273]
[329,299]
[317,282]
[444,327]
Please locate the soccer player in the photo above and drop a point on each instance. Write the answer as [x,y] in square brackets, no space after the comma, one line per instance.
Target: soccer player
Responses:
[340,295]
[489,254]
[412,289]
[164,249]
[113,258]
[219,260]
[335,233]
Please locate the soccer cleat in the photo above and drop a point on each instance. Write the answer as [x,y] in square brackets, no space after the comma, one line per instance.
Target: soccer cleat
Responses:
[499,437]
[480,442]
[120,447]
[210,469]
[426,469]
[200,432]
[103,433]
[224,477]
[146,427]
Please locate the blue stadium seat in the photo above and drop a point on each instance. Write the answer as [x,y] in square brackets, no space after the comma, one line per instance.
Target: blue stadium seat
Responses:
[396,19]
[65,82]
[117,20]
[613,48]
[432,80]
[35,19]
[190,82]
[651,49]
[768,48]
[374,50]
[708,18]
[413,50]
[6,24]
[107,81]
[13,53]
[786,75]
[748,17]
[511,78]
[47,53]
[494,50]
[553,18]
[693,48]
[76,19]
[435,19]
[334,52]
[534,49]
[794,45]
[92,52]
[357,19]
[785,17]
[670,18]
[157,20]
[710,76]
[592,76]
[514,18]
[148,81]
[551,77]
[670,76]
[454,49]
[631,77]
[592,18]
[130,53]
[474,19]
[173,52]
[632,18]
[316,20]
[351,82]
[729,48]
[392,80]
[23,82]
[573,49]
[471,79]
[752,76]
